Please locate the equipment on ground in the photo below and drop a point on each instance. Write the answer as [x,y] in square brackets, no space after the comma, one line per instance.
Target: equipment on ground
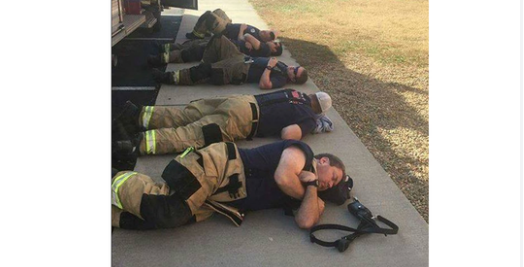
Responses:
[368,225]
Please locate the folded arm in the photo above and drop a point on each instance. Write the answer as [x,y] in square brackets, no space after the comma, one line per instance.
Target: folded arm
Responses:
[265,79]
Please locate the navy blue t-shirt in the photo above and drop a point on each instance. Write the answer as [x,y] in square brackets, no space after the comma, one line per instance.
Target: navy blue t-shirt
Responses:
[232,30]
[260,165]
[263,51]
[278,74]
[274,117]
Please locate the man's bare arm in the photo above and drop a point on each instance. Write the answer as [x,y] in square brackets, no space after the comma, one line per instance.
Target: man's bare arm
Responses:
[310,209]
[265,79]
[252,40]
[243,27]
[287,173]
[291,132]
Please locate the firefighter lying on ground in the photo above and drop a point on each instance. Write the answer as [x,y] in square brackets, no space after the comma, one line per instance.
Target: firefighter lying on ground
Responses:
[218,23]
[222,63]
[287,113]
[194,50]
[230,181]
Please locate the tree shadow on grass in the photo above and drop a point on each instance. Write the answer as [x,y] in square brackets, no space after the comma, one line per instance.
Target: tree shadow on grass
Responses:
[373,108]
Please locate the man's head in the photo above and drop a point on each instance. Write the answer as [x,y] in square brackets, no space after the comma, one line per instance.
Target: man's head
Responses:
[297,74]
[320,102]
[267,35]
[333,183]
[330,171]
[275,47]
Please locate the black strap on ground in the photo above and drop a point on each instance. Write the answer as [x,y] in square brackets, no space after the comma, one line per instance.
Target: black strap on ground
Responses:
[364,228]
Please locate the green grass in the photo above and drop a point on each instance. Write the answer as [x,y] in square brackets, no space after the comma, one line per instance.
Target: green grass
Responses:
[371,56]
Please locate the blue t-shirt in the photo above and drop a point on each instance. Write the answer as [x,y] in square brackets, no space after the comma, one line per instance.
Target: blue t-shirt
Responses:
[289,107]
[278,74]
[232,30]
[263,51]
[260,165]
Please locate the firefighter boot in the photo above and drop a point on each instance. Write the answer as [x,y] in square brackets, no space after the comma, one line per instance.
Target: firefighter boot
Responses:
[128,118]
[155,61]
[126,149]
[163,77]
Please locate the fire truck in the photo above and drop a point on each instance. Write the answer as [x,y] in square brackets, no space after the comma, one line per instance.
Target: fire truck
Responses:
[129,15]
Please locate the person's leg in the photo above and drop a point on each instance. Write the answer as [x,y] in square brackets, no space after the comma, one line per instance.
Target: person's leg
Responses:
[176,53]
[140,203]
[197,74]
[198,134]
[156,117]
[206,23]
[221,14]
[219,48]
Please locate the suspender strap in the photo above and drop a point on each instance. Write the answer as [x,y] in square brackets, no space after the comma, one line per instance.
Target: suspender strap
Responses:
[231,152]
[232,187]
[254,126]
[276,97]
[234,183]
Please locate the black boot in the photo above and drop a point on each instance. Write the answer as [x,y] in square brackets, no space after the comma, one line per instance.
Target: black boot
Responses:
[128,118]
[155,61]
[127,149]
[163,77]
[192,36]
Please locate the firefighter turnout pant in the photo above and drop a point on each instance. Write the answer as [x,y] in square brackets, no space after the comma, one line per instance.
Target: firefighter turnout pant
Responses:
[189,51]
[202,122]
[211,22]
[194,185]
[222,63]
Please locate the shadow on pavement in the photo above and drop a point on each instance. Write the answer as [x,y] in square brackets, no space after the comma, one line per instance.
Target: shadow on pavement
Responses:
[353,93]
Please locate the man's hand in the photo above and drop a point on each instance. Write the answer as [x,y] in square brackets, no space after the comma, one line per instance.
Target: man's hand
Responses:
[272,62]
[249,46]
[306,176]
[321,206]
[265,80]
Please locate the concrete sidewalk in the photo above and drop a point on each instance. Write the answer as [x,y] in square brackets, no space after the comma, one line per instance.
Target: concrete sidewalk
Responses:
[269,238]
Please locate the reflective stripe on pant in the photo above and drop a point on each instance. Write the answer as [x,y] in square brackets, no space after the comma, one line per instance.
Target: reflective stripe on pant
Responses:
[127,189]
[178,129]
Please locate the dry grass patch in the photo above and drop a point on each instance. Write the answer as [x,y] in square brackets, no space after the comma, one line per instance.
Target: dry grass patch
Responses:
[372,57]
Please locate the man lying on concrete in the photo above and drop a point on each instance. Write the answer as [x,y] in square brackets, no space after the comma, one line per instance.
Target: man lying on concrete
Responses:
[231,181]
[194,50]
[287,113]
[222,63]
[218,23]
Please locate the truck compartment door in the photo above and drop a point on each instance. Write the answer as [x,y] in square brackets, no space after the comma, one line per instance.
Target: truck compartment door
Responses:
[189,4]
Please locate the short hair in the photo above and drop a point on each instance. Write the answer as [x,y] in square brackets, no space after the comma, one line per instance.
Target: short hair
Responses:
[302,78]
[333,161]
[278,46]
[272,35]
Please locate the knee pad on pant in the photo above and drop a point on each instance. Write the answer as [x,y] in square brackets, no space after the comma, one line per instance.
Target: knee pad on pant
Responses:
[200,72]
[212,134]
[180,179]
[217,77]
[165,211]
[193,53]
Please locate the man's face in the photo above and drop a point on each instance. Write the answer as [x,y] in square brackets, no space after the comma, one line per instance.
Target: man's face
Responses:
[293,72]
[273,46]
[328,176]
[265,36]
